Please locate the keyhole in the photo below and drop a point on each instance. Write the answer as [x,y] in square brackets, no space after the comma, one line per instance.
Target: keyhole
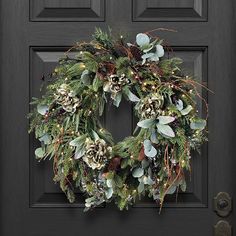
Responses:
[222,204]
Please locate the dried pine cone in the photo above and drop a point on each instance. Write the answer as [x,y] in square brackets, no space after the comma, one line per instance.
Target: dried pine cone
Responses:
[97,154]
[116,83]
[150,107]
[67,98]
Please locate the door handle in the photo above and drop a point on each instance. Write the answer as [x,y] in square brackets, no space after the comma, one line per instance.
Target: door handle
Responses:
[222,204]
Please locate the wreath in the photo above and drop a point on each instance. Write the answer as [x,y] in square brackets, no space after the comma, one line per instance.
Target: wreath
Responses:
[66,120]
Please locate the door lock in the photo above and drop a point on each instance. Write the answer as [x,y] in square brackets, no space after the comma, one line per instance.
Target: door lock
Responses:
[223,204]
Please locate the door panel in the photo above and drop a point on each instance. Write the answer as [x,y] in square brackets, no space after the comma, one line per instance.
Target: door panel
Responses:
[35,34]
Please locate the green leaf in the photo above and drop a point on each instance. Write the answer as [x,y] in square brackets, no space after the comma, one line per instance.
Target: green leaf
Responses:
[149,150]
[165,119]
[78,141]
[165,130]
[198,124]
[42,109]
[146,123]
[40,152]
[85,78]
[186,110]
[171,189]
[117,99]
[132,97]
[180,105]
[79,153]
[140,187]
[46,139]
[138,172]
[109,193]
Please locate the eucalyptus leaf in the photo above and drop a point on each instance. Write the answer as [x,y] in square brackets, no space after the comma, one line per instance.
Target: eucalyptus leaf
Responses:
[142,39]
[171,189]
[186,110]
[146,123]
[42,109]
[160,50]
[117,99]
[149,150]
[140,187]
[179,104]
[153,137]
[198,124]
[165,130]
[138,172]
[46,139]
[132,97]
[109,193]
[40,152]
[85,78]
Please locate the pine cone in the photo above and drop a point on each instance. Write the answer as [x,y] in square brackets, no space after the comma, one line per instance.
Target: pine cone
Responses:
[150,107]
[97,153]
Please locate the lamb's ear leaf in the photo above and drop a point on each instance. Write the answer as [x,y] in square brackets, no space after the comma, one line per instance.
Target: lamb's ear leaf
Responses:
[149,150]
[165,119]
[186,110]
[146,123]
[166,130]
[46,139]
[95,135]
[160,50]
[171,189]
[198,124]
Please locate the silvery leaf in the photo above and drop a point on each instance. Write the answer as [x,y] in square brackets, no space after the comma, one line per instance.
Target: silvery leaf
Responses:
[79,153]
[186,110]
[149,150]
[171,189]
[138,172]
[46,139]
[160,50]
[165,119]
[153,137]
[142,39]
[85,78]
[132,97]
[95,135]
[180,105]
[109,183]
[106,87]
[109,193]
[117,99]
[154,58]
[42,109]
[78,141]
[146,123]
[148,55]
[39,152]
[148,180]
[140,187]
[199,124]
[165,130]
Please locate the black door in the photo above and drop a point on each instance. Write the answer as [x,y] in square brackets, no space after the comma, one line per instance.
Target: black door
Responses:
[34,34]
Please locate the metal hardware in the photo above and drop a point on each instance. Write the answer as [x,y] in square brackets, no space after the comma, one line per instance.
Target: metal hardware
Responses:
[223,204]
[222,228]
